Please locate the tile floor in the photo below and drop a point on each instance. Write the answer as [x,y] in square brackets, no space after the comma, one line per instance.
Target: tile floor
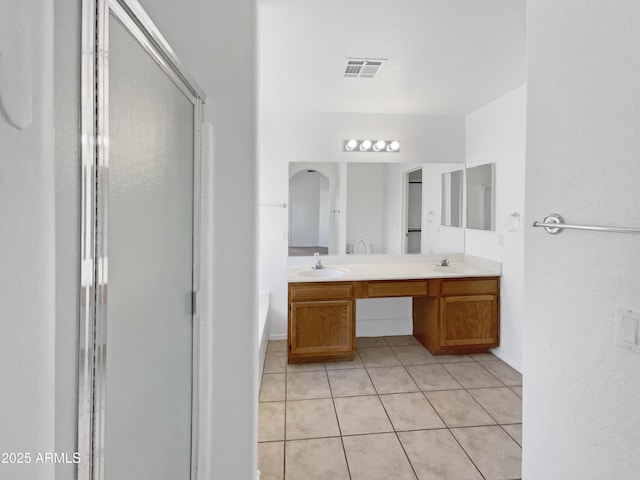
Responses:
[396,412]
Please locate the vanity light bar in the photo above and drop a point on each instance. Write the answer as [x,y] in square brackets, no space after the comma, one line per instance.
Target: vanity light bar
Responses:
[353,145]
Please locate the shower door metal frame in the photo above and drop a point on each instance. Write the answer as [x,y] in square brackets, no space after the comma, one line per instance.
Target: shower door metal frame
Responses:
[94,189]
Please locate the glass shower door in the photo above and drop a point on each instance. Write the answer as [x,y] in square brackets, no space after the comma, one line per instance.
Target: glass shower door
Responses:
[150,215]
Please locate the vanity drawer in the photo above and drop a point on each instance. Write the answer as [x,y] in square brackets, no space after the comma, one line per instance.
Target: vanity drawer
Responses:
[397,288]
[320,291]
[469,287]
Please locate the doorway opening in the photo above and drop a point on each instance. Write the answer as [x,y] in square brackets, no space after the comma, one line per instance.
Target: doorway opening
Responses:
[413,211]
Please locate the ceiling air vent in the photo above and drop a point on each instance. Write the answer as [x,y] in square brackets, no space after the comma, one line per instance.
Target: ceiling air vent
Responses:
[362,68]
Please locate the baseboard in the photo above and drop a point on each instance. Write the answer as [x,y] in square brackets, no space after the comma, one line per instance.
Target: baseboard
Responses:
[499,352]
[262,352]
[278,336]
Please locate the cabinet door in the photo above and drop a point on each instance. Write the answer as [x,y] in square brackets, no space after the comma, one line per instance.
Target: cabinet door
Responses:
[322,327]
[469,320]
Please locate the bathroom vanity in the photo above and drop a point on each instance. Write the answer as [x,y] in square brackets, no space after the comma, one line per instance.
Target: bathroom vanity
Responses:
[452,313]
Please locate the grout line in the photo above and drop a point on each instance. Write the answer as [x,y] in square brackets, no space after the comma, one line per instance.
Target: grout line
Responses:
[492,388]
[454,437]
[489,372]
[508,434]
[424,394]
[482,407]
[284,444]
[378,395]
[395,431]
[467,453]
[438,389]
[310,438]
[335,411]
[449,428]
[384,409]
[451,433]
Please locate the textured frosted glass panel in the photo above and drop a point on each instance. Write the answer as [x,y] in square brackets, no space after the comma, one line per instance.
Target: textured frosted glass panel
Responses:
[150,215]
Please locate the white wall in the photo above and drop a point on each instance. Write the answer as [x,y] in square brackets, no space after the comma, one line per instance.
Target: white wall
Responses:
[67,213]
[217,42]
[27,235]
[318,137]
[581,392]
[496,133]
[39,217]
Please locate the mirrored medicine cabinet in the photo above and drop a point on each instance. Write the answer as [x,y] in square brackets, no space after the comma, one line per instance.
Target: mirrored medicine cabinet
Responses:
[481,195]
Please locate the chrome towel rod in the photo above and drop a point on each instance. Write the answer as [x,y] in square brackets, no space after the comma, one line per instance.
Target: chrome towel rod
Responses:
[554,224]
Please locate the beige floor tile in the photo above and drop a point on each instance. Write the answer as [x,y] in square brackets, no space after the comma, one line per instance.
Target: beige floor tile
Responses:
[369,342]
[379,357]
[494,452]
[273,387]
[305,367]
[432,377]
[413,355]
[516,390]
[410,411]
[472,375]
[458,409]
[270,421]
[377,457]
[503,372]
[349,383]
[401,340]
[392,380]
[355,363]
[277,346]
[501,403]
[435,455]
[305,385]
[311,419]
[481,357]
[271,460]
[317,459]
[275,362]
[359,415]
[515,431]
[453,358]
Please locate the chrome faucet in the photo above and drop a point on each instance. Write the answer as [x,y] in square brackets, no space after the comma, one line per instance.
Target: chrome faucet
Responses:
[318,265]
[444,262]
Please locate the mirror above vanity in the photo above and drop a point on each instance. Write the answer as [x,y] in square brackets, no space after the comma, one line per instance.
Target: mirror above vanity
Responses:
[360,208]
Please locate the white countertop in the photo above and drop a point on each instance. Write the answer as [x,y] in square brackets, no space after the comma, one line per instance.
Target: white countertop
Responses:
[388,271]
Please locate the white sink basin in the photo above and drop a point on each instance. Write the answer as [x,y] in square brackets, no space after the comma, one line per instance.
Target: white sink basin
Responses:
[322,273]
[456,269]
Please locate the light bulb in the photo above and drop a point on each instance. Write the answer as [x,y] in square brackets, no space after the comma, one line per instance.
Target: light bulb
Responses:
[350,145]
[379,145]
[393,146]
[365,145]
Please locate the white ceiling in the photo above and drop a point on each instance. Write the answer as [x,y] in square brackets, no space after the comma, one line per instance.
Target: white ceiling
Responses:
[446,57]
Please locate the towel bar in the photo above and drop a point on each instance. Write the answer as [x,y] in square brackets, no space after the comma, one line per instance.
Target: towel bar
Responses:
[554,224]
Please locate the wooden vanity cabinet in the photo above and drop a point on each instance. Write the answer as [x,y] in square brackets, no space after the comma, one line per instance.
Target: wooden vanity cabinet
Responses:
[450,315]
[462,316]
[322,324]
